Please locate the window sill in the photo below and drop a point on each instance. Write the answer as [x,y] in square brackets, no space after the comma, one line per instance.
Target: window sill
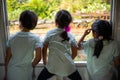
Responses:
[77,63]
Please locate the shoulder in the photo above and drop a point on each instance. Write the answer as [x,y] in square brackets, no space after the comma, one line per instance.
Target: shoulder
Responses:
[90,43]
[51,31]
[114,43]
[71,36]
[13,36]
[34,36]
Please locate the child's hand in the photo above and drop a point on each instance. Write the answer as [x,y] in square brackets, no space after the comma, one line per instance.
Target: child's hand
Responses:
[87,31]
[44,62]
[5,77]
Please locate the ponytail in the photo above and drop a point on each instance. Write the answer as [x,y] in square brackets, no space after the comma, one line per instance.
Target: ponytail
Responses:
[63,18]
[64,35]
[103,30]
[98,48]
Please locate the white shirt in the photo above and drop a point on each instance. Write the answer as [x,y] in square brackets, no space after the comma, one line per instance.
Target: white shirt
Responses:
[59,58]
[22,47]
[101,68]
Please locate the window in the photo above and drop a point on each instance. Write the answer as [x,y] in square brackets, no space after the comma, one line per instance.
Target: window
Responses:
[83,12]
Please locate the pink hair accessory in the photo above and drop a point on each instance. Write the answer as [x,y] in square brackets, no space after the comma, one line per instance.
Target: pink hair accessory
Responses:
[67,29]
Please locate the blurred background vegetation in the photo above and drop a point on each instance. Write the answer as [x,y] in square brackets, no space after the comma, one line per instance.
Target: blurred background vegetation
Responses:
[83,12]
[46,9]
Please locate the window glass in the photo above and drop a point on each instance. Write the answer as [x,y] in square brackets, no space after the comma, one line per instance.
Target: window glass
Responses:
[84,14]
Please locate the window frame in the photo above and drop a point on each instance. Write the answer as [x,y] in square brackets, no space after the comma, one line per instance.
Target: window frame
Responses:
[4,29]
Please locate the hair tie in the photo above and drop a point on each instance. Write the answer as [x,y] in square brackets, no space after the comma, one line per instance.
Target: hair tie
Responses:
[100,37]
[67,28]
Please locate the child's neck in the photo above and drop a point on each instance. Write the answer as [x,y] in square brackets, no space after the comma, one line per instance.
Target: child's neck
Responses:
[25,30]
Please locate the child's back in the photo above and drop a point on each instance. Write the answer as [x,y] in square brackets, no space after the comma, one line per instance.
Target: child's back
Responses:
[101,50]
[20,58]
[60,42]
[59,52]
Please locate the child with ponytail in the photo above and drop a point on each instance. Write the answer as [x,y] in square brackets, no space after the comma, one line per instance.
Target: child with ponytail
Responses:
[102,51]
[60,43]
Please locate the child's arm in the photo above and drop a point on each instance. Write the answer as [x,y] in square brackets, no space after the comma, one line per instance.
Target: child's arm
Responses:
[44,53]
[7,59]
[74,52]
[37,56]
[82,38]
[117,61]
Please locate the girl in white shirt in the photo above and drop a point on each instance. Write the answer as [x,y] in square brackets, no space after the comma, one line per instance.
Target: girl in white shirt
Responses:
[102,51]
[20,58]
[60,42]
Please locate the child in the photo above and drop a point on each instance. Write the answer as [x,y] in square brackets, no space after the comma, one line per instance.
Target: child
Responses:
[59,42]
[20,60]
[101,51]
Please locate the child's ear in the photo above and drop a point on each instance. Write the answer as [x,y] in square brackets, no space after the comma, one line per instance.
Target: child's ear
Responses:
[56,23]
[20,25]
[94,34]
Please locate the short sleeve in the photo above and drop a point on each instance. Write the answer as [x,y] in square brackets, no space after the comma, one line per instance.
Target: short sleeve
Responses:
[72,40]
[46,38]
[87,46]
[38,43]
[8,43]
[74,43]
[117,51]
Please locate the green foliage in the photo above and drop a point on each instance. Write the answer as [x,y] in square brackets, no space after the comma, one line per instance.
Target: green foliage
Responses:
[14,15]
[14,9]
[12,5]
[46,9]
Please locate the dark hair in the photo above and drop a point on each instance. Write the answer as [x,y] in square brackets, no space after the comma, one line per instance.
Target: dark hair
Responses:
[104,29]
[28,19]
[63,19]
